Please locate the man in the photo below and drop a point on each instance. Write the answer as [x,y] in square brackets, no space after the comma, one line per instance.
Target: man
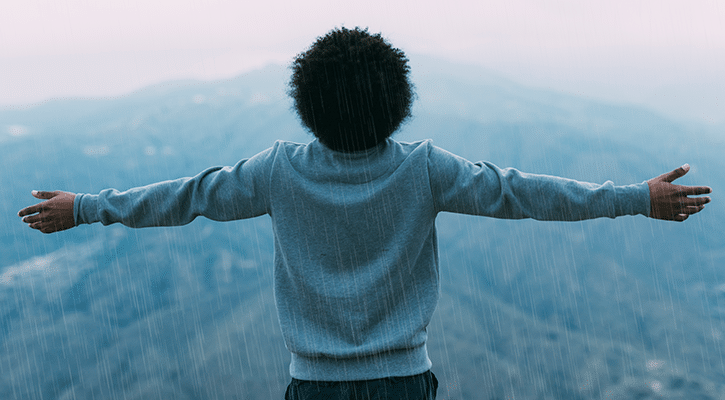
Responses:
[356,259]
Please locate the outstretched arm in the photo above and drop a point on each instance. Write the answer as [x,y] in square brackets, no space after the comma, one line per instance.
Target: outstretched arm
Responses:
[671,202]
[52,215]
[217,193]
[482,188]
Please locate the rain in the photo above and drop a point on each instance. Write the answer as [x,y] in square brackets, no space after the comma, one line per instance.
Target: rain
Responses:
[625,308]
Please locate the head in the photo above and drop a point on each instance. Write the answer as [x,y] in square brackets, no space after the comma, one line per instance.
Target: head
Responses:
[351,89]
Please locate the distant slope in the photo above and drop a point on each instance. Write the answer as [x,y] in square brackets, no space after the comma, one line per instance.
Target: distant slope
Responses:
[630,308]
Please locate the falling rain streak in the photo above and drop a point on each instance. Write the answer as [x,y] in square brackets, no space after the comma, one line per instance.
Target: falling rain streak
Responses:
[629,308]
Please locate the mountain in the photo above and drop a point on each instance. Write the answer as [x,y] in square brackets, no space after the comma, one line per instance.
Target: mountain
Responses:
[630,308]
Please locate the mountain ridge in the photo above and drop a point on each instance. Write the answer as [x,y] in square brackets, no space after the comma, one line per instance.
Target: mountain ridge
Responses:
[595,309]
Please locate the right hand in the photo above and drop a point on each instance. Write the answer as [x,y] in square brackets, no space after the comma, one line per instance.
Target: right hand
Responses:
[671,202]
[52,215]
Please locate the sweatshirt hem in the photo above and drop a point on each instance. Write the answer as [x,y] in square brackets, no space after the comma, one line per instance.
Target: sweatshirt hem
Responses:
[403,362]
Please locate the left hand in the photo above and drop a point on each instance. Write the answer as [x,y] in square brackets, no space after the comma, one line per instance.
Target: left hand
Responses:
[671,202]
[52,215]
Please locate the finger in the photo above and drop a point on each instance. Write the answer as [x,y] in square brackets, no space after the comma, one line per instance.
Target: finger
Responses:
[677,173]
[692,210]
[695,190]
[44,228]
[44,195]
[30,210]
[33,218]
[694,201]
[680,217]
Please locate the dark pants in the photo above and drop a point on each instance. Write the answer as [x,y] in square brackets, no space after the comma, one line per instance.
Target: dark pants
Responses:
[417,387]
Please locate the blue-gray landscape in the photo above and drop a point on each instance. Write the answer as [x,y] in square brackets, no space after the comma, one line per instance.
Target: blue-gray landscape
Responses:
[631,308]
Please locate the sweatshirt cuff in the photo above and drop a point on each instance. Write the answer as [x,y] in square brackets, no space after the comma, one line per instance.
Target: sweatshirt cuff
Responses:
[85,209]
[633,199]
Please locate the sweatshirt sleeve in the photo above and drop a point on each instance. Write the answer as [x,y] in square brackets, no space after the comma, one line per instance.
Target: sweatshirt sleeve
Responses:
[218,193]
[481,188]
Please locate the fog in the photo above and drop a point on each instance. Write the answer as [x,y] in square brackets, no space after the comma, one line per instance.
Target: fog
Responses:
[664,55]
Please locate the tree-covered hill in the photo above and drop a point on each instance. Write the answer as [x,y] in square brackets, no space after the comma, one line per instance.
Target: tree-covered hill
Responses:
[630,308]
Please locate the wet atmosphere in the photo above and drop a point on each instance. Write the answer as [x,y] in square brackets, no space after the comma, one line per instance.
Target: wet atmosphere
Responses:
[630,308]
[102,94]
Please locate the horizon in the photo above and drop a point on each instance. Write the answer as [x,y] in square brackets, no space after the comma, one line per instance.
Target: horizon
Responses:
[665,56]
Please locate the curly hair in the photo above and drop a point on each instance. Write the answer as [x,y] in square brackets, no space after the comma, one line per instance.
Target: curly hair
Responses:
[351,89]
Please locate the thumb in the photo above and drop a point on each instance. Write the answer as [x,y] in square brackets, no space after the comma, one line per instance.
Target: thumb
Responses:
[677,173]
[43,195]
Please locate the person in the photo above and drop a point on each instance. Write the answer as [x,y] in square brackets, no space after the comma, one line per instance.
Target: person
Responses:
[356,275]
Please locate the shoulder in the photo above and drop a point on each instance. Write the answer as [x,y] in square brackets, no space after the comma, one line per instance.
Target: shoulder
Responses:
[433,153]
[420,148]
[424,143]
[289,149]
[278,148]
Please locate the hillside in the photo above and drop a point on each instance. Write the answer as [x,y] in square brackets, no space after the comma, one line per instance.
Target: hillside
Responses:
[630,308]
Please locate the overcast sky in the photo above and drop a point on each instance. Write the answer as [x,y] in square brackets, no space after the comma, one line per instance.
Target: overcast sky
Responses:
[668,55]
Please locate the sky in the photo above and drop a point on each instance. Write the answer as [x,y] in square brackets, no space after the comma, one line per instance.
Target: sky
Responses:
[666,55]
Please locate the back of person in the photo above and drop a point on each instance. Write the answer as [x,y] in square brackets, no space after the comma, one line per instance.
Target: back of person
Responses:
[356,278]
[356,273]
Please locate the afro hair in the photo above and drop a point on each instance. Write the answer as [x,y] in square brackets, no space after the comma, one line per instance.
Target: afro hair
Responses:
[351,89]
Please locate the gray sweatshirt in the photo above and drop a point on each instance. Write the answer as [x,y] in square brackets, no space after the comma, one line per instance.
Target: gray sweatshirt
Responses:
[356,276]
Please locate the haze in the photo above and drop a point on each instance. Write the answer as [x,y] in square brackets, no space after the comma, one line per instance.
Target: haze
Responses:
[665,55]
